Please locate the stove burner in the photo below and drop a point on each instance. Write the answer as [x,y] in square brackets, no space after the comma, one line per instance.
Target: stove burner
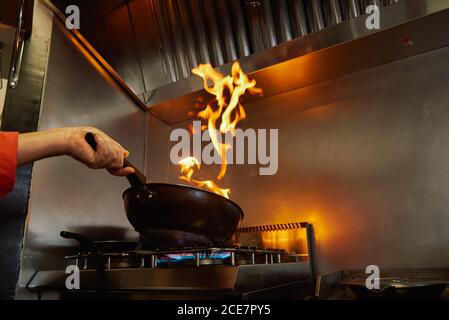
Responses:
[185,259]
[162,248]
[221,270]
[169,239]
[195,257]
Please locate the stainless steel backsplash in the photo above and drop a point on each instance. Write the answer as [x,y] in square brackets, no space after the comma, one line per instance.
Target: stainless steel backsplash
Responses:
[362,157]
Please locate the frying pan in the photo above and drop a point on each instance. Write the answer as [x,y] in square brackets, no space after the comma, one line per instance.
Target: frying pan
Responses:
[89,245]
[161,206]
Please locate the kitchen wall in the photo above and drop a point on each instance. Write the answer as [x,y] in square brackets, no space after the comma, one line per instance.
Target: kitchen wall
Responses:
[362,157]
[66,195]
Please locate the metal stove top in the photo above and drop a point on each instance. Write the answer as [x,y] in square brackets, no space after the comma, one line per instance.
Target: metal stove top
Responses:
[222,272]
[186,257]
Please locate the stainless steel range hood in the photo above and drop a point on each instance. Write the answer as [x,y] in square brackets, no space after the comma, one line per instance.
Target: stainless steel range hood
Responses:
[218,32]
[406,28]
[323,39]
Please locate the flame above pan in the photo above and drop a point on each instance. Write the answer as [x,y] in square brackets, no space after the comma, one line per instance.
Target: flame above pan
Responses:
[222,115]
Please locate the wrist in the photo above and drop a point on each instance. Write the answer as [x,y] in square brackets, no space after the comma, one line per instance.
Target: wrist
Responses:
[60,141]
[72,139]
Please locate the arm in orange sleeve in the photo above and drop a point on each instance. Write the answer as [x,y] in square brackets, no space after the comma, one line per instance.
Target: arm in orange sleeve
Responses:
[8,161]
[17,150]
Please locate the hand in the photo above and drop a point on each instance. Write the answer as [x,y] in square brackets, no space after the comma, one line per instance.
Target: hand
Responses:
[109,154]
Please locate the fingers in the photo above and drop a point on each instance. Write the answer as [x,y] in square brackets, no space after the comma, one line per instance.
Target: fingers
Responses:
[108,154]
[117,163]
[123,172]
[103,154]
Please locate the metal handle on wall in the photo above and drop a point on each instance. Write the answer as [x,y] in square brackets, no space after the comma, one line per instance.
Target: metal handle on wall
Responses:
[19,42]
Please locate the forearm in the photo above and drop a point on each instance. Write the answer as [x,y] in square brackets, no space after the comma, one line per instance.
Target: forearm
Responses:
[39,145]
[71,141]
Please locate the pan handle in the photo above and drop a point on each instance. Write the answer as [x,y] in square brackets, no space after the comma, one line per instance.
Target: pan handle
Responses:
[137,179]
[84,241]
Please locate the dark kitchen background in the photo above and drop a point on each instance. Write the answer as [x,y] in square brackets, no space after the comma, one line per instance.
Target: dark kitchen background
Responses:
[363,127]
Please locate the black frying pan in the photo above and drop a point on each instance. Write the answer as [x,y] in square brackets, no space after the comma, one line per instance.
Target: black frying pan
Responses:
[160,206]
[89,245]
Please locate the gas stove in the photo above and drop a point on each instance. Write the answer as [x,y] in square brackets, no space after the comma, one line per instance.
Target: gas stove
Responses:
[175,258]
[217,272]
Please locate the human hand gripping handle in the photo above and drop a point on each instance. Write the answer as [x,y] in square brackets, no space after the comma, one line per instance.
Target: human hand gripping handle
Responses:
[137,179]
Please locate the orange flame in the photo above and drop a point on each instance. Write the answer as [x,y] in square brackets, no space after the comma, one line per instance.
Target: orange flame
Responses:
[229,109]
[187,169]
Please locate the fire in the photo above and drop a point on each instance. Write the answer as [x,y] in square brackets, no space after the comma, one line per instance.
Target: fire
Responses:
[226,106]
[187,168]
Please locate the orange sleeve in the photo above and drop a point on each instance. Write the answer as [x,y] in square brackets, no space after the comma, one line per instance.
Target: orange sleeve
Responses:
[8,161]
